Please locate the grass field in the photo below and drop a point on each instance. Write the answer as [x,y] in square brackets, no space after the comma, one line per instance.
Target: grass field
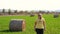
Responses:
[52,24]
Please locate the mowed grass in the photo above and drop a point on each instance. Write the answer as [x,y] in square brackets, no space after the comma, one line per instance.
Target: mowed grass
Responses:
[52,24]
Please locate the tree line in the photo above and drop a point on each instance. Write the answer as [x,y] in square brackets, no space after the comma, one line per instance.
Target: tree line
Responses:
[16,12]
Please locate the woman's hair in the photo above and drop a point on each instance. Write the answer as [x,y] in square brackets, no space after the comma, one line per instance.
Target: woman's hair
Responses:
[39,14]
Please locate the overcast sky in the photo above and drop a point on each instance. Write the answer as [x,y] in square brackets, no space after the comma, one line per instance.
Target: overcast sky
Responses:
[30,4]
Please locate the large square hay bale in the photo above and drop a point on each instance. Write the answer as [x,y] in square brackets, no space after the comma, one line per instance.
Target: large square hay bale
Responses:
[17,25]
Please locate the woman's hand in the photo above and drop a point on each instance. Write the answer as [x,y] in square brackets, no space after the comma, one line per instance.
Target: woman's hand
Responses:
[44,29]
[34,27]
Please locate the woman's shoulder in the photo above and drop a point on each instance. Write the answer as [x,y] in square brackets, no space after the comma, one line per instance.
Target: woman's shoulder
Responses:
[43,19]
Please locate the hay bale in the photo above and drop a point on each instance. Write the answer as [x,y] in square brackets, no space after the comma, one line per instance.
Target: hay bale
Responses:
[56,15]
[32,15]
[17,25]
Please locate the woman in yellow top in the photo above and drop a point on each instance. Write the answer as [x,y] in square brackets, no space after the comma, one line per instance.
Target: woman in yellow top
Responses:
[39,24]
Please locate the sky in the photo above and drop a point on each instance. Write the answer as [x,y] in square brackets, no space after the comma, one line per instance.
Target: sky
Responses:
[30,4]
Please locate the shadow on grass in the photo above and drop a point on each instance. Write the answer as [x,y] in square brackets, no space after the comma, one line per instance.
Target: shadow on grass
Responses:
[9,31]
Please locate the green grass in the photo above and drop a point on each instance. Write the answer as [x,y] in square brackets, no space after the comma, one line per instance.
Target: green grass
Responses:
[52,24]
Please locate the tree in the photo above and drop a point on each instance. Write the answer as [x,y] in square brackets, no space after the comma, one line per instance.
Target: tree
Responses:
[40,11]
[48,12]
[9,11]
[26,12]
[21,12]
[3,10]
[15,11]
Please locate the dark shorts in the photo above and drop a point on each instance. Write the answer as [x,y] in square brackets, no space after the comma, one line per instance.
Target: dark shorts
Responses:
[39,31]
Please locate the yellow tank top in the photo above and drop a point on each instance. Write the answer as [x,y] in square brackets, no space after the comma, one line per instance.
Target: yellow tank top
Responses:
[39,24]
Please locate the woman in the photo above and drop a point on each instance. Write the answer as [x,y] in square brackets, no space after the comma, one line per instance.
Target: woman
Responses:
[39,24]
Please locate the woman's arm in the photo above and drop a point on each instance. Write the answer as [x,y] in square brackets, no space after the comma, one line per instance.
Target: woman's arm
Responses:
[35,25]
[44,23]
